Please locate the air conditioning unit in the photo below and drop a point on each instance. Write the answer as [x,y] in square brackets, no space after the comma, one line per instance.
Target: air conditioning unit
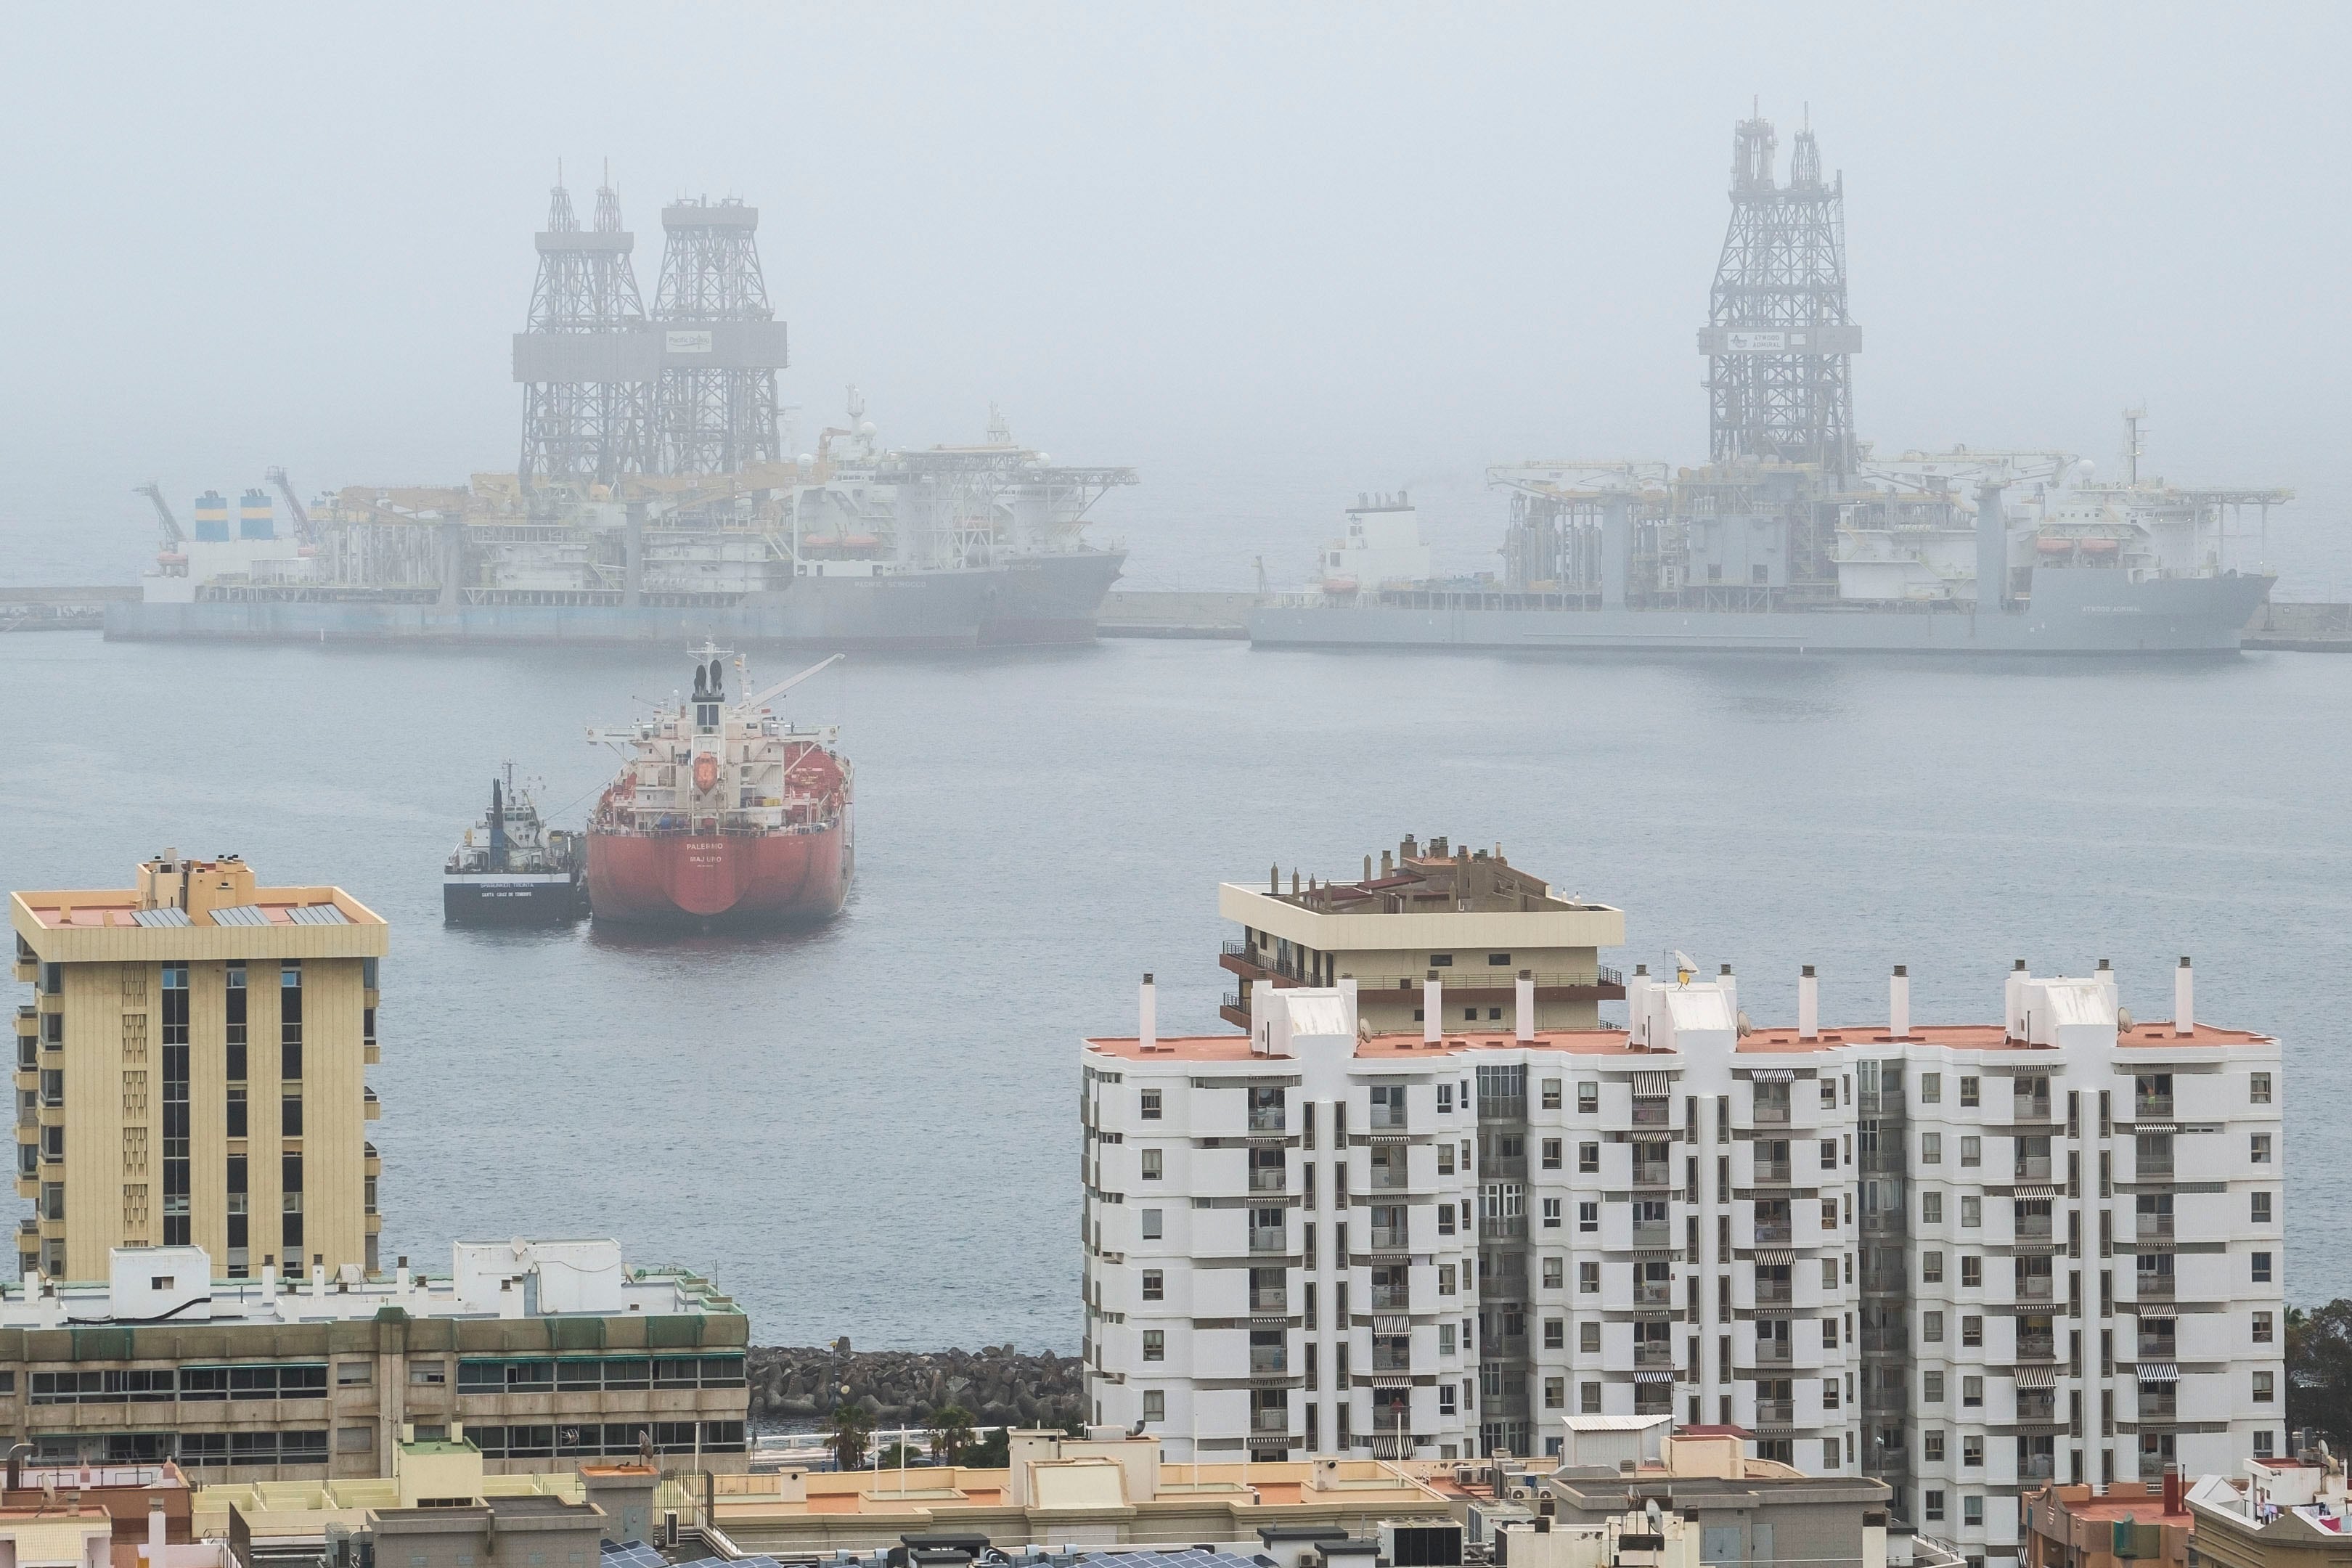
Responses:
[1520,1494]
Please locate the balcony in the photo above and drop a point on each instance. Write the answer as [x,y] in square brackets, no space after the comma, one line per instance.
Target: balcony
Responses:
[1388,1118]
[1659,1234]
[2037,1347]
[1772,1113]
[1391,1298]
[1275,1420]
[1773,1233]
[1773,1293]
[1387,1360]
[1267,1361]
[2037,1407]
[2155,1228]
[1274,1301]
[2035,1467]
[1654,1294]
[1773,1352]
[2034,1108]
[1505,1167]
[2159,1403]
[1502,1228]
[1390,1178]
[2033,1288]
[1653,1112]
[2155,1286]
[1775,1413]
[1269,1238]
[1391,1238]
[2032,1168]
[1654,1353]
[2151,1107]
[1266,1178]
[1653,1172]
[1773,1172]
[2035,1228]
[1268,1118]
[1502,1107]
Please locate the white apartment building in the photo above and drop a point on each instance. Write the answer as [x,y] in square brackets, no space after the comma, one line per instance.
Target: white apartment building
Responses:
[1960,1259]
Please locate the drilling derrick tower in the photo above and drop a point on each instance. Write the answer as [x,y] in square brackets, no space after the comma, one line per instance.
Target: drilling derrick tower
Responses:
[587,405]
[714,412]
[1779,341]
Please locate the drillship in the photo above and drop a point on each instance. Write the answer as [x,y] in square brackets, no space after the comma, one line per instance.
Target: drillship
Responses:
[1795,536]
[722,814]
[510,870]
[653,500]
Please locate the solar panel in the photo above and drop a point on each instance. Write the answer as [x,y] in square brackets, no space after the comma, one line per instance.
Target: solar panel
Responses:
[160,917]
[318,915]
[631,1554]
[240,915]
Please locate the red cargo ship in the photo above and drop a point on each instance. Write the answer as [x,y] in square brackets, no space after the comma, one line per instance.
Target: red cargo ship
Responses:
[723,813]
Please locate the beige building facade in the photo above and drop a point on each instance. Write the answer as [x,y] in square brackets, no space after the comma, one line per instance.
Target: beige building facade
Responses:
[1429,914]
[192,1071]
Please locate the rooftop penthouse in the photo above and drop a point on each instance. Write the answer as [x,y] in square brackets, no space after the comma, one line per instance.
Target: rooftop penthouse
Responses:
[1469,917]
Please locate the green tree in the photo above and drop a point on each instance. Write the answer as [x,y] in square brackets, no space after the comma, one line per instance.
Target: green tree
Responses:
[2319,1371]
[847,1435]
[951,1432]
[897,1456]
[992,1450]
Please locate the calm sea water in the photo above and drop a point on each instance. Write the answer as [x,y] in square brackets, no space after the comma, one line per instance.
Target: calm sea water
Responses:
[870,1130]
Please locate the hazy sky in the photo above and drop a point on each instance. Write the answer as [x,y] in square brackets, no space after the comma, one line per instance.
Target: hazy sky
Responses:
[1269,255]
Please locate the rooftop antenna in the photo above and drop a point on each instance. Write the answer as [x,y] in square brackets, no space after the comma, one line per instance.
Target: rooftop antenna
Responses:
[2134,446]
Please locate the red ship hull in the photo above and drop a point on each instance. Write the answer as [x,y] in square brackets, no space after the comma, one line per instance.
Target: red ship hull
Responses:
[772,879]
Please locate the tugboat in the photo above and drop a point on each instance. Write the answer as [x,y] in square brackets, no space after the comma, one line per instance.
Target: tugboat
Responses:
[722,814]
[508,870]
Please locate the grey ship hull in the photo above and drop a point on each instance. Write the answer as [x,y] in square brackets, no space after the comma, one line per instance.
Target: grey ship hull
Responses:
[1039,599]
[2071,610]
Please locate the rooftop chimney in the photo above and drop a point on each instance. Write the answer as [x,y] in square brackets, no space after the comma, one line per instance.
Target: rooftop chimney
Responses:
[2184,998]
[1731,986]
[1433,1009]
[1898,1002]
[1147,1023]
[1527,1004]
[2172,1503]
[1809,1006]
[1348,998]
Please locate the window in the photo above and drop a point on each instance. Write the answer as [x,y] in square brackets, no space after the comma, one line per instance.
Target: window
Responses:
[1829,1328]
[1151,1165]
[1555,1333]
[1971,1393]
[428,1374]
[1155,1344]
[1155,1285]
[1446,1279]
[1588,1218]
[1155,1404]
[2258,1089]
[1555,1393]
[2262,1267]
[1150,1225]
[2262,1445]
[2262,1328]
[1829,1093]
[1588,1398]
[1931,1392]
[1971,1151]
[1587,1158]
[1588,1278]
[1931,1088]
[2262,1209]
[1931,1148]
[350,1374]
[1588,1338]
[1972,1333]
[1972,1453]
[1445,1220]
[235,1111]
[1931,1268]
[1551,1214]
[1152,1105]
[1968,1090]
[1931,1328]
[1588,1099]
[1552,1153]
[1551,1094]
[290,1116]
[1971,1212]
[1445,1400]
[1931,1502]
[1828,1394]
[2262,1148]
[2262,1388]
[1444,1157]
[289,1018]
[1972,1512]
[1445,1342]
[1931,1207]
[1554,1269]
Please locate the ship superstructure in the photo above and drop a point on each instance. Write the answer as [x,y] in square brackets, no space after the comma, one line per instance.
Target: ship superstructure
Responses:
[722,812]
[510,869]
[1796,535]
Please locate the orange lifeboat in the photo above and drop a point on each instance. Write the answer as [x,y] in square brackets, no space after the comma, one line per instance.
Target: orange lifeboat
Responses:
[706,772]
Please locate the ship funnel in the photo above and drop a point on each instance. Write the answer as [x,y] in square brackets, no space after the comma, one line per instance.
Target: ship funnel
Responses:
[1992,549]
[700,687]
[498,827]
[717,679]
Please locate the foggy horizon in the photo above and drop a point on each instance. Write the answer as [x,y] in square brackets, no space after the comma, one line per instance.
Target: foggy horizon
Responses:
[1270,261]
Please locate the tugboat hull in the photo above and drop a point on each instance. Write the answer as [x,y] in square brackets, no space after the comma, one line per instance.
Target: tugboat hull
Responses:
[778,878]
[510,899]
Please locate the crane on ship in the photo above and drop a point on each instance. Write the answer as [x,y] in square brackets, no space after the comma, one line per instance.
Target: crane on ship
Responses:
[302,528]
[175,537]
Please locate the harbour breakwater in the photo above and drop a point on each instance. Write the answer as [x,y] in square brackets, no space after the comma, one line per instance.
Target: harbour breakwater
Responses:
[1000,1386]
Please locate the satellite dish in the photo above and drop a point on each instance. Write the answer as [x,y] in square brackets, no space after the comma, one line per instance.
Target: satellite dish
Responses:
[2123,1019]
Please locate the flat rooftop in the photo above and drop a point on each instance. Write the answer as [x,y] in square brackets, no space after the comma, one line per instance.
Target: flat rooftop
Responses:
[1616,1042]
[196,908]
[1435,878]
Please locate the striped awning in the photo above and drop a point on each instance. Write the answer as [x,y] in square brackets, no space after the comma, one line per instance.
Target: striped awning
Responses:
[2037,1377]
[1392,1380]
[1775,1257]
[1653,1085]
[1392,1325]
[2158,1372]
[2155,1127]
[1654,1377]
[2022,1190]
[1773,1075]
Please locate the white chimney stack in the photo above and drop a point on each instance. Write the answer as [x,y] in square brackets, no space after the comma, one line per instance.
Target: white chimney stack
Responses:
[1526,1008]
[1147,1026]
[1729,987]
[2107,979]
[1348,998]
[1898,1002]
[2184,998]
[1809,1006]
[1433,1008]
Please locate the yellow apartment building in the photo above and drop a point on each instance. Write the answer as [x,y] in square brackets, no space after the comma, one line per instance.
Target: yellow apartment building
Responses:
[192,1071]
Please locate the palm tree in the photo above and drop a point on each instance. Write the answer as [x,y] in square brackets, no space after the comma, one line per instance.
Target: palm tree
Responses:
[951,1432]
[848,1434]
